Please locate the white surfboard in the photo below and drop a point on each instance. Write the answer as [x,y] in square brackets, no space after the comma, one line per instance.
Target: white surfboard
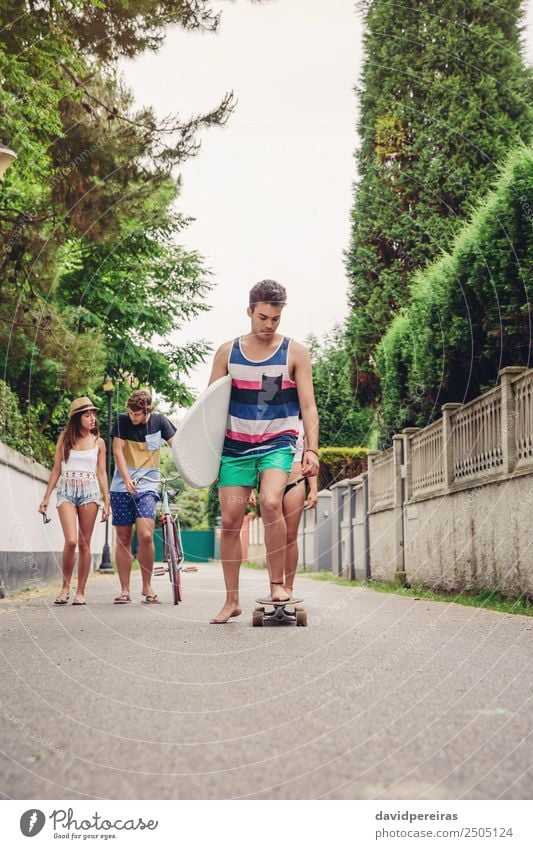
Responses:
[198,442]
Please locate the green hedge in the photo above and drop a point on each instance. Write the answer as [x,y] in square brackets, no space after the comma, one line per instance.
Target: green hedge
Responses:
[469,314]
[21,432]
[12,430]
[339,463]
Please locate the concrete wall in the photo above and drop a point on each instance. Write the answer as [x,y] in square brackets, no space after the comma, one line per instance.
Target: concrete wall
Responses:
[473,539]
[383,536]
[30,552]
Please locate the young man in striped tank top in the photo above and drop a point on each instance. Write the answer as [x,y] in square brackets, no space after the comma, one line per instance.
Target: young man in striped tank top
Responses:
[272,382]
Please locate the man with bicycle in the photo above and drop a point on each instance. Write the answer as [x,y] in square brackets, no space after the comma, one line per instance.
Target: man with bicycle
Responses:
[137,437]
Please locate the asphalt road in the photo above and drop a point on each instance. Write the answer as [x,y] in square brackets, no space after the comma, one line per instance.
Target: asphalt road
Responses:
[380,697]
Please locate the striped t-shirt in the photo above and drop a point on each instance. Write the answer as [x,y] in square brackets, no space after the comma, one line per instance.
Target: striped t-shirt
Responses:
[141,450]
[264,407]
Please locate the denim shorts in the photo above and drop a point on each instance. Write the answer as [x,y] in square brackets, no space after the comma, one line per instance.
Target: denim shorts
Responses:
[126,508]
[77,500]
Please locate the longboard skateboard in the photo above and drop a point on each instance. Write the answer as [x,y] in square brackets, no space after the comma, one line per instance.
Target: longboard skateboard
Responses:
[279,613]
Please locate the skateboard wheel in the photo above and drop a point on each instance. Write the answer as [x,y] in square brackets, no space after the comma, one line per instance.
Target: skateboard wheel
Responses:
[259,610]
[298,607]
[301,618]
[257,618]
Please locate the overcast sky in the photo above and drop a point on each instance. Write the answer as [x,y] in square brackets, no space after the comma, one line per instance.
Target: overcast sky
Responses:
[271,191]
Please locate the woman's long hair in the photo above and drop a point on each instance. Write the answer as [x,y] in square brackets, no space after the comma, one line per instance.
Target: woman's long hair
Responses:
[73,432]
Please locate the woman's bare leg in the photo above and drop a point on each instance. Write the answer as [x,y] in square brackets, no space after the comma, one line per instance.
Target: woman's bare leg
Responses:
[293,505]
[87,514]
[68,518]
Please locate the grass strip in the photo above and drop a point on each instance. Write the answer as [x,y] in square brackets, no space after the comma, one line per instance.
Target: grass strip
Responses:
[488,599]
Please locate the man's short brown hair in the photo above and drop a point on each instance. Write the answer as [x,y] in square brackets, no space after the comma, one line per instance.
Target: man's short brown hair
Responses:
[268,292]
[140,401]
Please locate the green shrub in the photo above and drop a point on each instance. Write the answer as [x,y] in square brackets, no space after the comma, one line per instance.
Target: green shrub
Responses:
[22,432]
[339,463]
[12,429]
[469,314]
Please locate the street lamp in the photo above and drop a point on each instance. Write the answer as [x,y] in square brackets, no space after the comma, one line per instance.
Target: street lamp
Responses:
[6,158]
[105,565]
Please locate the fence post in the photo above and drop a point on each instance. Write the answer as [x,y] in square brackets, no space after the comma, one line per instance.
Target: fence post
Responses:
[336,516]
[368,569]
[508,425]
[408,462]
[447,442]
[370,471]
[397,453]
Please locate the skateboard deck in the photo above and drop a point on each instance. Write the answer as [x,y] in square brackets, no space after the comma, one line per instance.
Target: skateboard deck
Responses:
[279,603]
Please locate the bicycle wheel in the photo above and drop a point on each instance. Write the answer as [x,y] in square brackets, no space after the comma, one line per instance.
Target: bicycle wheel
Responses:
[174,571]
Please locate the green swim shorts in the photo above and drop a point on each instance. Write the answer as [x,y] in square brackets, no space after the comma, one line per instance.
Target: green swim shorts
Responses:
[245,471]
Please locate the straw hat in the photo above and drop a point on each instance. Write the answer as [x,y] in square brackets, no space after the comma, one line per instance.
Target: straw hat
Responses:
[81,405]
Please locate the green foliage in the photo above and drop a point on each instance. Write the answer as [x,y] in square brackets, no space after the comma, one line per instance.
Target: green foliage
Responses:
[12,427]
[93,280]
[342,421]
[444,95]
[339,463]
[192,507]
[20,431]
[470,310]
[213,506]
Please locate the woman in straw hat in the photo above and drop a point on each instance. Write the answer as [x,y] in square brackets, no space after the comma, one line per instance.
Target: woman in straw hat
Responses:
[80,462]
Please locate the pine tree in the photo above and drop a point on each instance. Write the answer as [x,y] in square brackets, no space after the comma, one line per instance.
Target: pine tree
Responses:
[444,95]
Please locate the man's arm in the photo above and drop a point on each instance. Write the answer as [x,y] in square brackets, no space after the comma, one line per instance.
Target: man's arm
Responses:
[220,363]
[303,377]
[168,431]
[120,463]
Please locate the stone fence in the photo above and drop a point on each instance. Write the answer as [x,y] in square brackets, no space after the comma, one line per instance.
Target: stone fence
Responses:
[449,505]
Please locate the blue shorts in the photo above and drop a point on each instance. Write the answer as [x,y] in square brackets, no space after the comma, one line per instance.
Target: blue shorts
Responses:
[78,500]
[126,508]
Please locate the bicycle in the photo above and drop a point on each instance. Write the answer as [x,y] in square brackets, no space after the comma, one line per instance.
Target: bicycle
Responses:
[172,544]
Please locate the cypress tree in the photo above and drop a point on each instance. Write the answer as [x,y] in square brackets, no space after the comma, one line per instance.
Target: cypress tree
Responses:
[445,93]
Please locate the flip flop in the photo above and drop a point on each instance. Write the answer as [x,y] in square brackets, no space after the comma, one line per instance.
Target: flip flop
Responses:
[78,603]
[61,600]
[151,599]
[123,598]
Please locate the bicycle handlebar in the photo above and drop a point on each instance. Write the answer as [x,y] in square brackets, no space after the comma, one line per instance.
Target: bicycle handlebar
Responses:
[162,479]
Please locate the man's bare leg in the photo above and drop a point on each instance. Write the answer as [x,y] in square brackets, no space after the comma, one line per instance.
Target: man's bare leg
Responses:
[123,555]
[233,501]
[146,553]
[273,482]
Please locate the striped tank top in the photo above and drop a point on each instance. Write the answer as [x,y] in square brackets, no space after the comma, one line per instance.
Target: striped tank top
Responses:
[264,407]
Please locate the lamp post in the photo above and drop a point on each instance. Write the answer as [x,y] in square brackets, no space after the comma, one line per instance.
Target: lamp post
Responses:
[6,158]
[105,565]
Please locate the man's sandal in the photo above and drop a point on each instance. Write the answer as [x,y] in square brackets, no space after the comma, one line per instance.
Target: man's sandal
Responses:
[123,598]
[151,599]
[60,600]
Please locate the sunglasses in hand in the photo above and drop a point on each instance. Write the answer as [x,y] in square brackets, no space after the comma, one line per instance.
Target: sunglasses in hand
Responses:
[46,520]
